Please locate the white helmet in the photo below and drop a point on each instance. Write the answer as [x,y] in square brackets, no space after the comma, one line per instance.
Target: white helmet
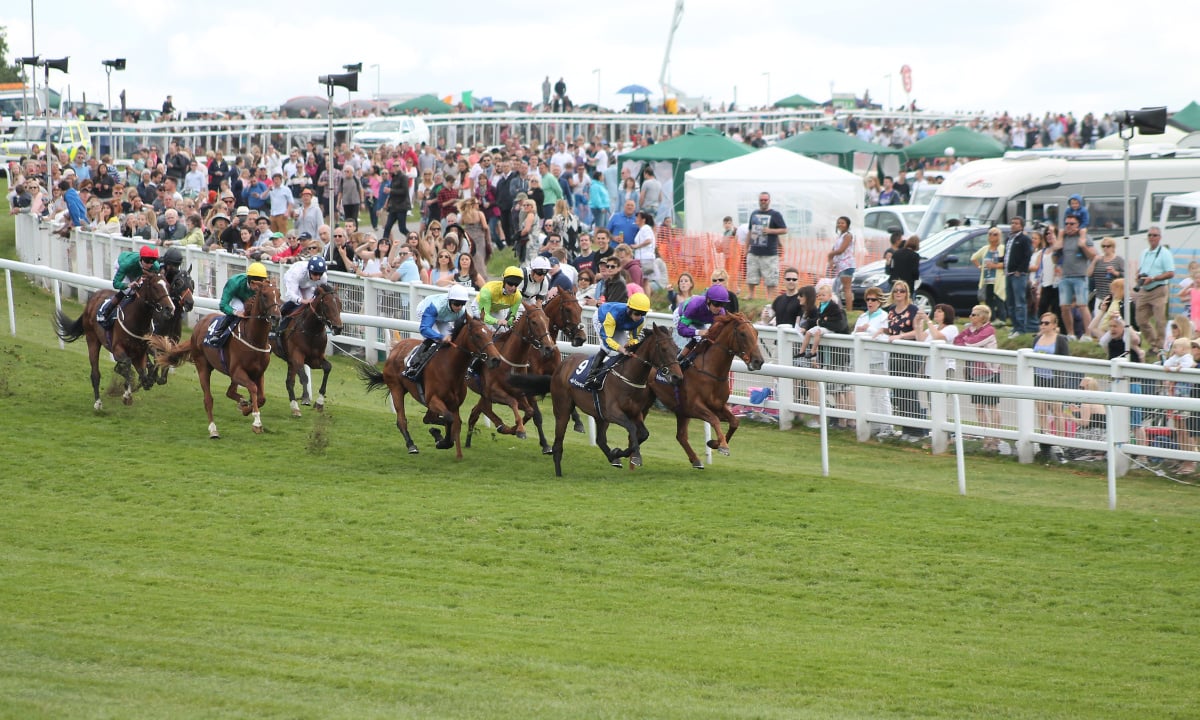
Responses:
[457,293]
[540,263]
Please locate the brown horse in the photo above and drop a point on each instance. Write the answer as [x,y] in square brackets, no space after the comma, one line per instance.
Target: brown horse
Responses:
[528,340]
[443,382]
[622,400]
[182,288]
[127,340]
[302,343]
[244,358]
[704,392]
[566,317]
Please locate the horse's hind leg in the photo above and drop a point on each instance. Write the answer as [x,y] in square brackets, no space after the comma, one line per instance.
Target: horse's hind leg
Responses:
[302,374]
[402,419]
[290,382]
[536,412]
[124,368]
[204,372]
[577,422]
[472,419]
[94,359]
[681,435]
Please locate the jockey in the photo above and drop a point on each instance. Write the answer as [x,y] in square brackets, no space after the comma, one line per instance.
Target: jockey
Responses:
[696,316]
[497,298]
[439,314]
[238,289]
[171,260]
[128,269]
[300,284]
[619,327]
[535,284]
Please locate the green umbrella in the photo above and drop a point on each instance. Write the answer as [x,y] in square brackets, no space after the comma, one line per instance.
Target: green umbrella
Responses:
[1187,118]
[422,103]
[965,141]
[828,140]
[796,101]
[700,144]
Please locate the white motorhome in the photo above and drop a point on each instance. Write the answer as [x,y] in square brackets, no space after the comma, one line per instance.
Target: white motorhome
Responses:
[1036,185]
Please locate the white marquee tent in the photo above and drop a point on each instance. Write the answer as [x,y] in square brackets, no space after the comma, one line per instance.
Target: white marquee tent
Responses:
[810,194]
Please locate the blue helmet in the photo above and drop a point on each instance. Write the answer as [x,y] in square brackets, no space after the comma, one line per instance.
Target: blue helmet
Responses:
[717,294]
[317,265]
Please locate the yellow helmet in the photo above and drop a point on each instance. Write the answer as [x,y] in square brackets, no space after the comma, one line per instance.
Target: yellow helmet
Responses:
[512,271]
[639,302]
[257,270]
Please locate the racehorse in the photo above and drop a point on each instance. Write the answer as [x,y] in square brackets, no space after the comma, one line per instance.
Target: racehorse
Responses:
[244,358]
[182,288]
[622,400]
[443,383]
[566,317]
[705,388]
[528,339]
[302,343]
[129,334]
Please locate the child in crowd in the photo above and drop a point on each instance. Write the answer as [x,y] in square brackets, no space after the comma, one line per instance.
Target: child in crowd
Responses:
[1179,359]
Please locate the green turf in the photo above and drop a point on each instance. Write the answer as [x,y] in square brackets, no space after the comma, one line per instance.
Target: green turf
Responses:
[318,571]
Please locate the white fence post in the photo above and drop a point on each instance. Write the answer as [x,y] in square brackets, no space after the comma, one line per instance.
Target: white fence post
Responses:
[1026,417]
[935,368]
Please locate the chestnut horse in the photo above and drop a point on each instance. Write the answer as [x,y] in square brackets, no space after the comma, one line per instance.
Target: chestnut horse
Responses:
[182,288]
[443,383]
[566,317]
[244,358]
[622,400]
[127,340]
[704,392]
[302,343]
[528,339]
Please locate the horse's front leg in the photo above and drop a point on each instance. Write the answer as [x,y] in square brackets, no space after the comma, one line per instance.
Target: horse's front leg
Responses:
[326,366]
[124,368]
[723,413]
[290,383]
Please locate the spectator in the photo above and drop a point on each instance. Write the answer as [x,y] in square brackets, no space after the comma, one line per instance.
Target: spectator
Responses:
[1091,423]
[719,275]
[767,229]
[465,273]
[939,329]
[678,296]
[841,260]
[906,264]
[1050,420]
[1105,267]
[1077,253]
[598,201]
[901,325]
[1120,341]
[585,288]
[1046,270]
[632,268]
[980,334]
[1018,252]
[1155,270]
[873,324]
[992,286]
[1077,210]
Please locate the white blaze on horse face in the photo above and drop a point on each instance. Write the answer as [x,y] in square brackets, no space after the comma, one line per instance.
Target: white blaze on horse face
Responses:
[167,294]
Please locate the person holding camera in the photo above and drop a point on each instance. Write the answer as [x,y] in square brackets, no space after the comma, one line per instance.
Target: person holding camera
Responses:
[1155,270]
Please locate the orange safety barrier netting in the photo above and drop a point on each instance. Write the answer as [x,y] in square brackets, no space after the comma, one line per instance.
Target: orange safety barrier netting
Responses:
[700,254]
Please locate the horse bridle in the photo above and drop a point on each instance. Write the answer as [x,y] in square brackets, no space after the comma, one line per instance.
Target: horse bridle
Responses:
[319,302]
[564,325]
[534,341]
[155,307]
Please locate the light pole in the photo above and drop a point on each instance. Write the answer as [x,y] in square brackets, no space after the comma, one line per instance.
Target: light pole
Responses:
[597,72]
[60,65]
[350,82]
[352,68]
[1151,121]
[767,75]
[888,77]
[32,60]
[378,94]
[109,66]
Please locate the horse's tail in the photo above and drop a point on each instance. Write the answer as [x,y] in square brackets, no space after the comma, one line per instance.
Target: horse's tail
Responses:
[530,384]
[372,376]
[68,330]
[167,353]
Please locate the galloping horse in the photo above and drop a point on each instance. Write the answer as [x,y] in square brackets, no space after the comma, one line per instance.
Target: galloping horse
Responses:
[566,317]
[244,358]
[182,288]
[622,400]
[527,340]
[129,334]
[303,342]
[705,388]
[443,382]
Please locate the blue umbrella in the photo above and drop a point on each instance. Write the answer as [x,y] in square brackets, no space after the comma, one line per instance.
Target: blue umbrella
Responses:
[634,90]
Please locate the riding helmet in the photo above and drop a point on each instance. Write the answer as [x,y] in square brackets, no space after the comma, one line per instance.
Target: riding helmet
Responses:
[717,294]
[173,256]
[639,302]
[148,252]
[512,271]
[457,293]
[257,270]
[317,265]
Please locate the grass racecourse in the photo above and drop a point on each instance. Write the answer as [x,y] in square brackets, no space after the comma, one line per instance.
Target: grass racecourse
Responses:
[318,571]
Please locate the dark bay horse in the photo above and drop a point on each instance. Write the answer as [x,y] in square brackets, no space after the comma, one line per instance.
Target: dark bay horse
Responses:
[443,383]
[566,317]
[182,288]
[130,333]
[704,392]
[302,343]
[526,342]
[244,358]
[622,400]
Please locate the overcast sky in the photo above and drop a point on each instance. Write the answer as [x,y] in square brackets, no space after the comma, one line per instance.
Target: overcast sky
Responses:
[1019,55]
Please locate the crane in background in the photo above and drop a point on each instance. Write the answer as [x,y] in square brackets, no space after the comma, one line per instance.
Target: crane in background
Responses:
[668,89]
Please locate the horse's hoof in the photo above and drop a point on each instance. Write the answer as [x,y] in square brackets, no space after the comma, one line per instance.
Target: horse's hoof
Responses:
[635,461]
[445,444]
[578,427]
[616,463]
[98,405]
[306,400]
[319,407]
[724,451]
[547,450]
[713,444]
[296,413]
[214,436]
[128,400]
[697,465]
[258,429]
[413,450]
[521,435]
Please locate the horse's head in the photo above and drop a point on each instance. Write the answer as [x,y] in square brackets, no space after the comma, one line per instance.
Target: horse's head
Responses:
[265,304]
[735,334]
[566,315]
[328,307]
[535,330]
[660,350]
[183,288]
[474,337]
[154,292]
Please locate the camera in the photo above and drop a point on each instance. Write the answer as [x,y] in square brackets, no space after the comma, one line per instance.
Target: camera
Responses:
[1142,279]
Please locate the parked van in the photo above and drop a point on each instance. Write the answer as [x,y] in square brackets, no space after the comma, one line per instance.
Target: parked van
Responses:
[392,131]
[1036,185]
[65,135]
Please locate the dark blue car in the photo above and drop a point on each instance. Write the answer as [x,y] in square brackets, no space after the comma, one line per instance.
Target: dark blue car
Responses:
[947,274]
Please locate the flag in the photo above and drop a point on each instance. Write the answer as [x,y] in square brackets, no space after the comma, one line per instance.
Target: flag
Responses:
[468,99]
